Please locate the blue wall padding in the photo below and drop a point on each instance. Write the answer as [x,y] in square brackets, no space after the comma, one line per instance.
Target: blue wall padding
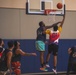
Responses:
[31,64]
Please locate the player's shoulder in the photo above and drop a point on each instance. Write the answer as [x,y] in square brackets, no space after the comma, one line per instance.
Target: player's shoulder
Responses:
[60,28]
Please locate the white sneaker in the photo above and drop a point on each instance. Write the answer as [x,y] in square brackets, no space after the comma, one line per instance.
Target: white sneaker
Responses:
[54,71]
[47,65]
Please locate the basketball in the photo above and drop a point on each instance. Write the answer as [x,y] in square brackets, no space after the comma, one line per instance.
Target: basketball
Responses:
[59,5]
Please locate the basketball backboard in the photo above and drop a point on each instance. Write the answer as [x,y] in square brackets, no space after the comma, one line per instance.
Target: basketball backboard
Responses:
[37,7]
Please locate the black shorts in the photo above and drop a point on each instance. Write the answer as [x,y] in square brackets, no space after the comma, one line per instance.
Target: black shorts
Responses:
[3,66]
[53,48]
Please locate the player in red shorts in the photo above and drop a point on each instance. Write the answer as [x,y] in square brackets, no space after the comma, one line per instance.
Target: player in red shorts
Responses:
[17,53]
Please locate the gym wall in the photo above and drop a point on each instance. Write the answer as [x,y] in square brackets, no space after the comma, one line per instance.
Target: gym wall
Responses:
[70,4]
[15,24]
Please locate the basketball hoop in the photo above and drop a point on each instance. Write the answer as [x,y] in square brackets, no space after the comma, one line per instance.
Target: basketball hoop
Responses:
[52,16]
[48,11]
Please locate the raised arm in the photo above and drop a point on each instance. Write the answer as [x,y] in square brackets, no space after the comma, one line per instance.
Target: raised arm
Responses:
[47,27]
[63,17]
[19,51]
[62,21]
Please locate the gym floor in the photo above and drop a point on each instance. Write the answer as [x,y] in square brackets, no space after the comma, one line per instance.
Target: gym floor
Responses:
[47,73]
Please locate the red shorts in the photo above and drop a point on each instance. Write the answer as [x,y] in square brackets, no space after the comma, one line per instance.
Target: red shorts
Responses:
[16,67]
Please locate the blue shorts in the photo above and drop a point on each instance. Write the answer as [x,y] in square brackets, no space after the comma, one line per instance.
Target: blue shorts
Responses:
[40,46]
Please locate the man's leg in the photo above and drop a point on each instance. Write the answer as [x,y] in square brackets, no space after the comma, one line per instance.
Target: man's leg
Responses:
[55,64]
[69,68]
[40,46]
[55,53]
[42,58]
[43,68]
[48,55]
[55,61]
[74,67]
[47,59]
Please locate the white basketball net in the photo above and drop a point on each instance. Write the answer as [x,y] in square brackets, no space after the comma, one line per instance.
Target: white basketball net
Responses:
[51,18]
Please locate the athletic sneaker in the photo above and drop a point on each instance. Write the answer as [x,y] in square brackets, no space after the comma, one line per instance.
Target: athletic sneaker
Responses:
[43,69]
[47,65]
[54,70]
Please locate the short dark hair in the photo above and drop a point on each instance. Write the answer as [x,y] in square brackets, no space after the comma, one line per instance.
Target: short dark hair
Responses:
[1,40]
[55,28]
[41,23]
[15,43]
[10,44]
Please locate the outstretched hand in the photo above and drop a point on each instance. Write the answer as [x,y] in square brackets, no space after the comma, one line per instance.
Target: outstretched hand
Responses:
[34,54]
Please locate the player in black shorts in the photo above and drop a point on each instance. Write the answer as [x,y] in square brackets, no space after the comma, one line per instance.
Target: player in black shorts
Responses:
[53,44]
